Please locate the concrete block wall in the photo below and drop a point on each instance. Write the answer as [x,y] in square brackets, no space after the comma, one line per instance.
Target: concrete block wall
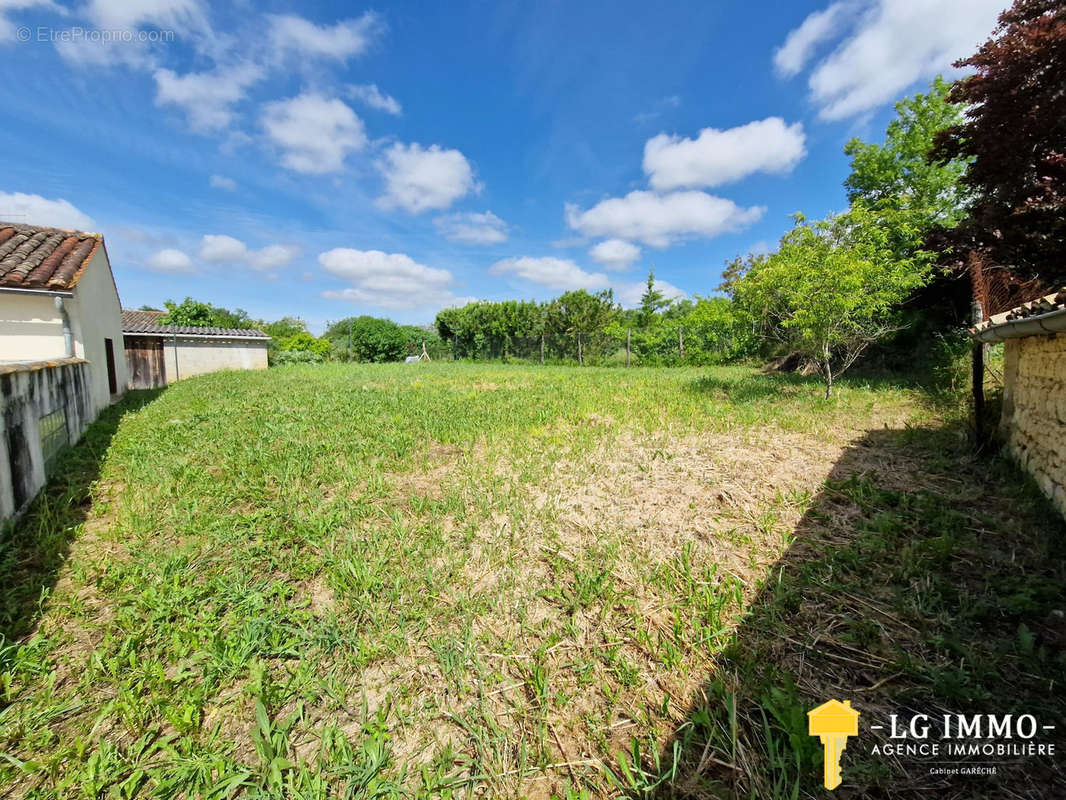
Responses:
[1034,410]
[28,392]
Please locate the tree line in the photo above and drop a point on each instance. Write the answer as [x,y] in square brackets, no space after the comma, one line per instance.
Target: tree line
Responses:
[592,328]
[362,338]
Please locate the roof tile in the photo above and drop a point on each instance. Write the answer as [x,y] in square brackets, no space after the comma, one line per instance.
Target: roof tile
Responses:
[147,322]
[36,257]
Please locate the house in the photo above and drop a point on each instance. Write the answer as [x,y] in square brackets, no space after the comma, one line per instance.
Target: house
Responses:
[158,354]
[59,337]
[58,300]
[1033,421]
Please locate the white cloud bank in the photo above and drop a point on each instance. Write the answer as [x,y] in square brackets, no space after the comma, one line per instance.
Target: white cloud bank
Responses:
[723,156]
[472,228]
[615,254]
[420,178]
[802,42]
[222,182]
[890,45]
[171,261]
[314,133]
[221,249]
[207,98]
[369,94]
[560,274]
[32,209]
[660,220]
[296,35]
[393,281]
[125,15]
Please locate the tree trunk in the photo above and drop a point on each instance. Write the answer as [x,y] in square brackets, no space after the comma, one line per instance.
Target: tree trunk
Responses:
[828,373]
[680,344]
[629,334]
[978,377]
[542,349]
[580,361]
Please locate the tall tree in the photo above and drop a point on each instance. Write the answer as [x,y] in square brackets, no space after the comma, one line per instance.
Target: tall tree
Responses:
[1015,134]
[651,302]
[897,181]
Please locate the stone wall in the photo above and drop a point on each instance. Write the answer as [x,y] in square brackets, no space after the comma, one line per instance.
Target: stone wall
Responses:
[1034,410]
[45,406]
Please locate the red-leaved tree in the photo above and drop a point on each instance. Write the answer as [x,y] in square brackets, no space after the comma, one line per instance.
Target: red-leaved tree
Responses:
[1015,134]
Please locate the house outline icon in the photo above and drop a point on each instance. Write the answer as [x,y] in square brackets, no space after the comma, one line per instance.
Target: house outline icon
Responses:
[834,713]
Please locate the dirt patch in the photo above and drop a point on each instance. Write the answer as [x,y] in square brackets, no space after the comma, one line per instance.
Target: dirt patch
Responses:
[727,495]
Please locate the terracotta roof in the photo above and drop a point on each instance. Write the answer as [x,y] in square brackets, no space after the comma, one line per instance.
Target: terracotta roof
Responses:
[147,322]
[1042,305]
[33,257]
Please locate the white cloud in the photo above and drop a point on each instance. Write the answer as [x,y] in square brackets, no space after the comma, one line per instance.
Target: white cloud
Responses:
[659,220]
[222,182]
[894,44]
[372,96]
[170,260]
[615,254]
[163,14]
[418,178]
[219,248]
[629,294]
[722,156]
[472,228]
[672,101]
[7,28]
[388,280]
[801,42]
[315,133]
[561,274]
[347,38]
[273,257]
[206,97]
[32,209]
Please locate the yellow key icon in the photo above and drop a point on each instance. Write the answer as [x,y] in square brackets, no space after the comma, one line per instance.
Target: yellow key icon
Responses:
[833,722]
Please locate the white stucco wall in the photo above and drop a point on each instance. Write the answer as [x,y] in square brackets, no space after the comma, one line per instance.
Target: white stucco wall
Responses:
[31,329]
[201,356]
[96,314]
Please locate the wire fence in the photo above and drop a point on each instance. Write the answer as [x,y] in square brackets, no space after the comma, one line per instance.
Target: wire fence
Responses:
[663,346]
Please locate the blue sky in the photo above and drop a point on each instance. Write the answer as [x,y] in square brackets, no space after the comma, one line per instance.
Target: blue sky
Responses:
[323,160]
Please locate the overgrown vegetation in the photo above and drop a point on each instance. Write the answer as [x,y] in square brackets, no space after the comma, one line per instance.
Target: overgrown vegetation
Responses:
[460,580]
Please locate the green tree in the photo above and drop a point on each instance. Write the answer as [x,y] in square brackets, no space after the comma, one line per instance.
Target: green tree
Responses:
[204,315]
[584,318]
[651,303]
[906,192]
[717,330]
[372,338]
[832,288]
[283,328]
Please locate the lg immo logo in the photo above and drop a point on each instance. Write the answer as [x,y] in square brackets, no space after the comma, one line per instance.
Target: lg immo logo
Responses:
[833,723]
[945,744]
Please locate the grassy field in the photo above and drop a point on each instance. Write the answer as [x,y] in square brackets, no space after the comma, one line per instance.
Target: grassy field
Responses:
[449,580]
